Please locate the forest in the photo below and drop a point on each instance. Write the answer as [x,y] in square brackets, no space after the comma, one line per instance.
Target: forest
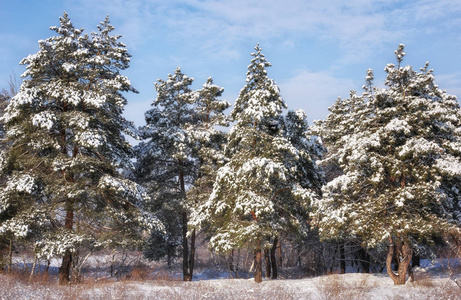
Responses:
[375,187]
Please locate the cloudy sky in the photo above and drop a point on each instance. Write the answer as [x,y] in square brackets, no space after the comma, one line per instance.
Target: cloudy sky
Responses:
[319,49]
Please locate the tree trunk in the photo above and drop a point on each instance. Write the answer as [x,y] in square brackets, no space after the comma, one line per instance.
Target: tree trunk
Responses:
[404,264]
[279,247]
[169,257]
[342,258]
[112,264]
[33,269]
[2,262]
[230,263]
[258,262]
[64,270]
[364,260]
[267,263]
[237,264]
[298,255]
[188,256]
[389,258]
[192,254]
[406,254]
[395,259]
[273,261]
[47,268]
[10,255]
[234,264]
[185,250]
[416,261]
[187,276]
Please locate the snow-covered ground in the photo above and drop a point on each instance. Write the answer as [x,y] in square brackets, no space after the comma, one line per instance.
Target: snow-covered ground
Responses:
[436,280]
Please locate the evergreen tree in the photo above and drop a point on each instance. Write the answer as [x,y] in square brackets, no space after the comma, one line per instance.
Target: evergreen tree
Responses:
[209,142]
[398,149]
[67,132]
[298,133]
[4,99]
[166,162]
[256,196]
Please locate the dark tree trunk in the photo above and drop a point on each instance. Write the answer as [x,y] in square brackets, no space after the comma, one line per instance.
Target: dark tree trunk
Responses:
[342,258]
[273,261]
[185,250]
[185,245]
[192,254]
[397,250]
[230,263]
[298,255]
[10,255]
[234,264]
[364,258]
[64,270]
[416,261]
[267,263]
[237,264]
[188,257]
[169,256]
[112,264]
[2,261]
[47,268]
[258,262]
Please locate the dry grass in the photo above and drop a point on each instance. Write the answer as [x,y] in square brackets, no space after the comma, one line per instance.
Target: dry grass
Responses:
[423,280]
[335,287]
[18,288]
[139,272]
[149,280]
[428,289]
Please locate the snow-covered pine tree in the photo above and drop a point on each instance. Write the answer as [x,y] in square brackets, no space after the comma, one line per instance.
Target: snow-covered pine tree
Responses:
[208,148]
[5,96]
[298,133]
[4,99]
[167,165]
[256,195]
[4,242]
[309,176]
[67,132]
[209,142]
[400,160]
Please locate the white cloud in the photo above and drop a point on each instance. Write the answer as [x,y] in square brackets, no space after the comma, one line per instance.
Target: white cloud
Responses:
[450,82]
[201,34]
[314,92]
[358,27]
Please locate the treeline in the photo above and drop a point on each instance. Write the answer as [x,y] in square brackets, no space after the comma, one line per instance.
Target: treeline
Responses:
[382,171]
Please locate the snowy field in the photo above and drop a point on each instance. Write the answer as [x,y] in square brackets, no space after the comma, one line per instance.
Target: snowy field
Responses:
[434,280]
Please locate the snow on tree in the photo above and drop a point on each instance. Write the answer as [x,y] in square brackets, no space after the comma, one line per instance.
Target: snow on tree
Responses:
[4,242]
[256,195]
[398,150]
[166,162]
[4,99]
[209,142]
[310,149]
[67,132]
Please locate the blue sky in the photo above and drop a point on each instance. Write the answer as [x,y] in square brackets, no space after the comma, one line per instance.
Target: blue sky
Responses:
[319,49]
